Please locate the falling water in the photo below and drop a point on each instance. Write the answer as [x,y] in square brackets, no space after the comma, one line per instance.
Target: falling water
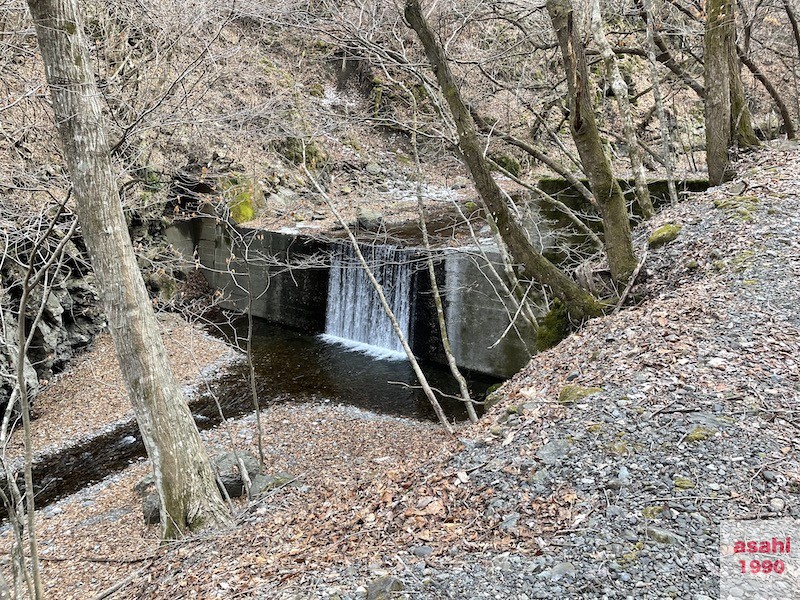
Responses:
[354,316]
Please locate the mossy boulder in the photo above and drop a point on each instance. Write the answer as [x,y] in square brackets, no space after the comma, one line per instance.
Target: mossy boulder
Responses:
[571,393]
[741,207]
[664,235]
[243,196]
[653,512]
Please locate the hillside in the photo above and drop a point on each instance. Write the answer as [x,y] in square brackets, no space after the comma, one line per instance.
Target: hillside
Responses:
[690,419]
[604,468]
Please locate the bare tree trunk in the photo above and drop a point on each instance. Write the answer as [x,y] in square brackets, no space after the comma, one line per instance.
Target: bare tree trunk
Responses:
[620,89]
[666,142]
[742,122]
[664,56]
[437,299]
[580,304]
[190,499]
[621,258]
[719,136]
[787,6]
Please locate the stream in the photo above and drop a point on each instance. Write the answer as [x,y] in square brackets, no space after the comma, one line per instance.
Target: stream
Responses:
[290,366]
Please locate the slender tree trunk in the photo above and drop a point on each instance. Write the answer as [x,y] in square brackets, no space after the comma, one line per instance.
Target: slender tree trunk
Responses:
[620,89]
[621,258]
[664,56]
[580,304]
[719,136]
[787,6]
[190,499]
[666,141]
[742,122]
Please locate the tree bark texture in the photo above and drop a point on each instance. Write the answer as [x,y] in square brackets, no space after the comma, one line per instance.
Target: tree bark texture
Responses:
[619,248]
[719,136]
[620,89]
[742,122]
[580,304]
[190,499]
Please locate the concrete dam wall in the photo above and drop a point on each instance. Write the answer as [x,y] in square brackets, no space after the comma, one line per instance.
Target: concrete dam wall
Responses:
[287,279]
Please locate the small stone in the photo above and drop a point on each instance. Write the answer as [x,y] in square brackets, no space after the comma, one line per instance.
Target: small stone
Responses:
[460,182]
[561,570]
[422,551]
[663,536]
[653,512]
[369,219]
[717,363]
[777,504]
[151,509]
[510,522]
[769,475]
[261,484]
[384,587]
[373,168]
[699,433]
[683,483]
[571,393]
[227,465]
[552,452]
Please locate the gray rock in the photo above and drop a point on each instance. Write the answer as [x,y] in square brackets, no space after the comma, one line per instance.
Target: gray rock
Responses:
[663,536]
[510,522]
[369,219]
[266,482]
[282,199]
[421,551]
[227,467]
[384,588]
[373,168]
[145,485]
[553,452]
[460,182]
[561,570]
[151,509]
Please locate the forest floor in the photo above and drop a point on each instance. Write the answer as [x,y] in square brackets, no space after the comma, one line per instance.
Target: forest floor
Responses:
[683,413]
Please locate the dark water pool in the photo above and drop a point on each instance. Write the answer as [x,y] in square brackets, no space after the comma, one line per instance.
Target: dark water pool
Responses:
[302,367]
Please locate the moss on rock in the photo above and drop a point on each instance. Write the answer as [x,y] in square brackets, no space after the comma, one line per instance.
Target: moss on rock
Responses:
[292,149]
[553,327]
[699,433]
[664,235]
[508,162]
[571,393]
[243,196]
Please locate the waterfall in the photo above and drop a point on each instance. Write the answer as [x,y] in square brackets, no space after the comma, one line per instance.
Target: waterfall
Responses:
[354,316]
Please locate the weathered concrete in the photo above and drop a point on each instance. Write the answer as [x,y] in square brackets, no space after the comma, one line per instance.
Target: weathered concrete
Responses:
[476,317]
[282,275]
